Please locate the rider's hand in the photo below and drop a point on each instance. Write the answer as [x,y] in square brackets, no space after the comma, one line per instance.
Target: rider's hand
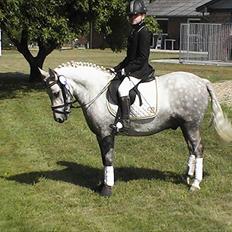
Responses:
[121,74]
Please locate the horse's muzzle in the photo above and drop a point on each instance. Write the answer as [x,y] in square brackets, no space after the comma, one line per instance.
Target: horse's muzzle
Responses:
[60,120]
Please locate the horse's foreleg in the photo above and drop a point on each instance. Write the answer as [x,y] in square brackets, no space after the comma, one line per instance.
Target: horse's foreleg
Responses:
[107,151]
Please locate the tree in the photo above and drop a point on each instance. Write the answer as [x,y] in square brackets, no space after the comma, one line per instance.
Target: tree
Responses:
[48,23]
[113,23]
[152,24]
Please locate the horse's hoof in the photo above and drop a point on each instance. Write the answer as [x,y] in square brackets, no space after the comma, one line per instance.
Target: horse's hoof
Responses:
[105,190]
[194,188]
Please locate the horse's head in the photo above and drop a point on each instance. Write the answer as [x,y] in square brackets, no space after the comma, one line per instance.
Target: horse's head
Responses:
[59,93]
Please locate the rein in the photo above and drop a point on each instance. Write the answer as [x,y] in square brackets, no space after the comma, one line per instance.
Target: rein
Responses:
[94,99]
[62,84]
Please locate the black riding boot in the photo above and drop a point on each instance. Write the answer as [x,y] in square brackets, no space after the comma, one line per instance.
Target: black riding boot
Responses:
[125,112]
[124,123]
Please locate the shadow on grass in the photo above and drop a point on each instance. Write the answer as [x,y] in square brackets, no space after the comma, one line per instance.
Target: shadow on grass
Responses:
[13,82]
[88,177]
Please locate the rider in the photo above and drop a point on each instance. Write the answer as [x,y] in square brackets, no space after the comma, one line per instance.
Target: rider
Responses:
[135,63]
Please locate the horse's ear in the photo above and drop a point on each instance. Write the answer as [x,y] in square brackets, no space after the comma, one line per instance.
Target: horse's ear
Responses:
[44,74]
[52,74]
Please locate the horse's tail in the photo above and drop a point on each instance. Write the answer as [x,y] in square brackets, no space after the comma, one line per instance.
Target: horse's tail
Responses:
[220,120]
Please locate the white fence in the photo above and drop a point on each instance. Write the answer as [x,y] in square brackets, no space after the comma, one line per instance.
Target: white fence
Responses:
[205,42]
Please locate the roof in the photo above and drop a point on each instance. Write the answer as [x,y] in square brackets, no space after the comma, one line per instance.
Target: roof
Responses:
[174,8]
[216,5]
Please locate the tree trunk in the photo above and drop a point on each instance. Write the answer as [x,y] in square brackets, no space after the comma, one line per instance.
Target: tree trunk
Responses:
[35,64]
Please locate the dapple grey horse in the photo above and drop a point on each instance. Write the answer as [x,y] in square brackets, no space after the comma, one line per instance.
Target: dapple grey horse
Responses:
[182,101]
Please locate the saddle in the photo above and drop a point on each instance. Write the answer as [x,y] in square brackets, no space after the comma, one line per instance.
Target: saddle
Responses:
[142,98]
[112,92]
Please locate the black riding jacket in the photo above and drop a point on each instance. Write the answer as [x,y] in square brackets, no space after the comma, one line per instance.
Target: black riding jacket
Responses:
[138,49]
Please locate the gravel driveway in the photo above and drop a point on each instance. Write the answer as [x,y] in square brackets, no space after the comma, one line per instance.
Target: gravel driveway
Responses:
[224,92]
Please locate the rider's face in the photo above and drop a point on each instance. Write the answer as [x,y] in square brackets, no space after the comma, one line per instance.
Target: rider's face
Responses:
[136,18]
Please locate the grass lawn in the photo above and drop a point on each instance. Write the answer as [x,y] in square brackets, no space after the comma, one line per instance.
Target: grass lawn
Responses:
[48,170]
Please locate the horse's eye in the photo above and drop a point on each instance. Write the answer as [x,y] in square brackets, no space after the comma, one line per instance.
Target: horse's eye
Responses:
[55,89]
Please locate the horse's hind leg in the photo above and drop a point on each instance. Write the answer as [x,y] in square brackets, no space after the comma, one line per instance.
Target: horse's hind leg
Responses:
[106,145]
[195,162]
[191,162]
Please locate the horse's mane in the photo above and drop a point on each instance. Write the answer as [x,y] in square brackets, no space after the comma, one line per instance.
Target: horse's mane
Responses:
[75,64]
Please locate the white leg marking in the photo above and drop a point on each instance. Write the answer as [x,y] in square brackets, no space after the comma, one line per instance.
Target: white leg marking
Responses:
[198,173]
[109,175]
[191,165]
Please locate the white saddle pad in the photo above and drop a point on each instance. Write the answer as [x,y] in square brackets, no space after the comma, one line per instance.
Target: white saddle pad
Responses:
[148,109]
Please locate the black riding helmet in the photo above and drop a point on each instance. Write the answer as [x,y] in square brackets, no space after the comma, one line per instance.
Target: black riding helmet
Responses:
[136,7]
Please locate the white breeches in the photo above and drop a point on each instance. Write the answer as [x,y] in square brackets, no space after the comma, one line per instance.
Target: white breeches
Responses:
[126,85]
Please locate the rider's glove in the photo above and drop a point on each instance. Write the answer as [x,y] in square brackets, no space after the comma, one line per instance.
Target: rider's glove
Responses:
[121,74]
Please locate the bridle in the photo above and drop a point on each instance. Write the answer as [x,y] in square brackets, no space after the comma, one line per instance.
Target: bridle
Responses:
[62,83]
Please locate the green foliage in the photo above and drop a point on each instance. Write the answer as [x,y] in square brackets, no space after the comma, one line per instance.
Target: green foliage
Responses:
[152,24]
[47,23]
[118,33]
[51,23]
[37,21]
[112,21]
[6,42]
[105,10]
